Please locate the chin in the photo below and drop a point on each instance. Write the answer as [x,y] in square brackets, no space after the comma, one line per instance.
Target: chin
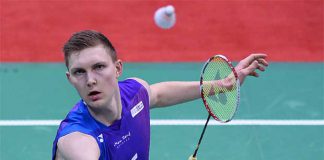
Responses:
[95,104]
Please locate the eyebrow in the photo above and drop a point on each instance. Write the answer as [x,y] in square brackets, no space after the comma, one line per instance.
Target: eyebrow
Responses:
[97,63]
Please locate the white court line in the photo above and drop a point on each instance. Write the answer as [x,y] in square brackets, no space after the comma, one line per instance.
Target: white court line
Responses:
[239,122]
[182,122]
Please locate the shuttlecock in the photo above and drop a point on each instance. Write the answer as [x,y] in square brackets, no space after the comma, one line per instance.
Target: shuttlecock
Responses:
[165,17]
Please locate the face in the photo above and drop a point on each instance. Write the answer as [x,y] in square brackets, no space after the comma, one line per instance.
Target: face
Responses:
[93,73]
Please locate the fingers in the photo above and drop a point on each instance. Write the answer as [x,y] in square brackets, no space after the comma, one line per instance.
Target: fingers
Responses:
[258,60]
[249,66]
[263,62]
[246,62]
[251,69]
[255,56]
[257,65]
[261,67]
[254,74]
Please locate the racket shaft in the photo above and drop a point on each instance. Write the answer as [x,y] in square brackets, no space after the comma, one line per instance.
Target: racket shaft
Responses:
[201,137]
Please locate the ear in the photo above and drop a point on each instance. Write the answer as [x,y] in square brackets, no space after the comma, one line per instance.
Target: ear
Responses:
[68,76]
[119,68]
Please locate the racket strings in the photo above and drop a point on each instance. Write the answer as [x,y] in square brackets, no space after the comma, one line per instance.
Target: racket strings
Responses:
[219,89]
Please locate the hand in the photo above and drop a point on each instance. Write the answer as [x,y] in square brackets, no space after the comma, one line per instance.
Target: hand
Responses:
[192,158]
[249,65]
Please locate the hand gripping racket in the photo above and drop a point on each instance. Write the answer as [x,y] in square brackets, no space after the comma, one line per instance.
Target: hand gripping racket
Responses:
[220,91]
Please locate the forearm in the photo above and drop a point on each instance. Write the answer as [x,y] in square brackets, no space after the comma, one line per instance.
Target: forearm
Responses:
[171,93]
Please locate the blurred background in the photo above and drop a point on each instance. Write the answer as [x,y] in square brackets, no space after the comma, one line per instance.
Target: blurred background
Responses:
[34,87]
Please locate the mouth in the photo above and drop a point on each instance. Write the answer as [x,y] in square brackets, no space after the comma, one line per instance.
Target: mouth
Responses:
[94,95]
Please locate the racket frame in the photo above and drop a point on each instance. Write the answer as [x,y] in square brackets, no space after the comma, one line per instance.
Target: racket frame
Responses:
[201,86]
[210,113]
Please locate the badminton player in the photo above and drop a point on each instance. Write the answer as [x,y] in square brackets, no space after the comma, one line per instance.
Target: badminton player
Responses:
[112,119]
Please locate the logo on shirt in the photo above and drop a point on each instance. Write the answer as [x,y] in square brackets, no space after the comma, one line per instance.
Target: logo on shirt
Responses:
[136,109]
[122,140]
[100,138]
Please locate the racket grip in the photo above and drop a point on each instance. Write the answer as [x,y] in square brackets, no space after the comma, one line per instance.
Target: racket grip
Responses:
[192,158]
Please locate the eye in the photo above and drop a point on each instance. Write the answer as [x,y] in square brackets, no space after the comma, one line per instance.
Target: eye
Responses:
[99,66]
[78,72]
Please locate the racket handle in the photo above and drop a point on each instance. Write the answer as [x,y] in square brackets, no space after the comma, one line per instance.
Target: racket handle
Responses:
[192,158]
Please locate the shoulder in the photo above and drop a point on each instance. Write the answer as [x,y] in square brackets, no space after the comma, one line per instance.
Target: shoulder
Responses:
[142,83]
[77,145]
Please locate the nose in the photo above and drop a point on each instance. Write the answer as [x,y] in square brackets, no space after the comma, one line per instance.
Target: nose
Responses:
[91,80]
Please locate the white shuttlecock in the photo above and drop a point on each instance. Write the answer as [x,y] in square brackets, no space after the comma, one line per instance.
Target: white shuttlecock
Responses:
[165,17]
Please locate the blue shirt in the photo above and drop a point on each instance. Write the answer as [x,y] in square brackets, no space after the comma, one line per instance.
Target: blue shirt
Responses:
[127,138]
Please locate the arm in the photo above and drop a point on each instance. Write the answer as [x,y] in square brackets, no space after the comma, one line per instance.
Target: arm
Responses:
[171,93]
[175,92]
[77,146]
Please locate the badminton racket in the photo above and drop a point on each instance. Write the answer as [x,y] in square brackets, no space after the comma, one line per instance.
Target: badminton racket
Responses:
[220,92]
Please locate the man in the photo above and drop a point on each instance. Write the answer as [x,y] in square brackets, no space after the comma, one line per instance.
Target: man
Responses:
[112,121]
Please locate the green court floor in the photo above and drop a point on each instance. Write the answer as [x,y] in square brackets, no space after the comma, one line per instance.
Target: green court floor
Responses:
[286,91]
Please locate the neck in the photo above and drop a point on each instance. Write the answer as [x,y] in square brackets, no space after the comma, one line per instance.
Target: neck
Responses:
[110,113]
